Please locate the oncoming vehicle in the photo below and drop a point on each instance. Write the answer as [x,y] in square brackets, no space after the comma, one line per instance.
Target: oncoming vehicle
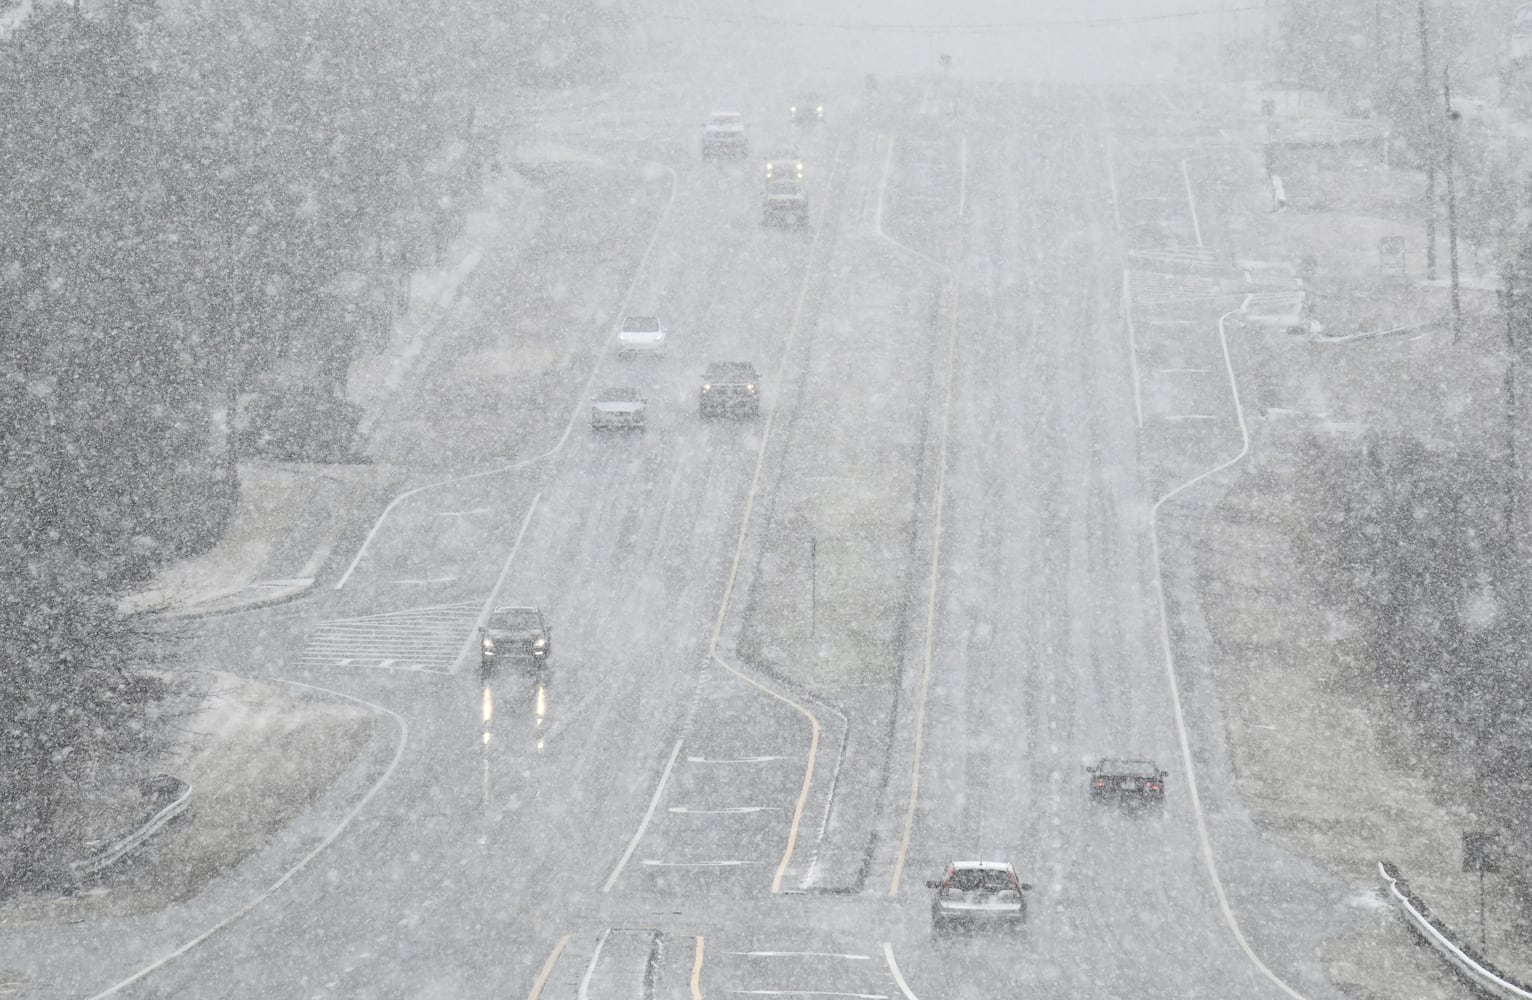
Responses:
[1128,780]
[641,335]
[723,134]
[730,387]
[784,163]
[972,895]
[620,407]
[515,633]
[807,109]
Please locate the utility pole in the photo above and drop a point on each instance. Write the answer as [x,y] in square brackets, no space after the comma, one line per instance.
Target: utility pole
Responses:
[1452,206]
[1430,119]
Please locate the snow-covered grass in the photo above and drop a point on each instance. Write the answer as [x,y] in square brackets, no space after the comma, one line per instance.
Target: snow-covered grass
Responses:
[1324,763]
[256,754]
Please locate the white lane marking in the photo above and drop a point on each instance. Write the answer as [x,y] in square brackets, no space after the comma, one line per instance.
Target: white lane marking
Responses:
[578,409]
[1127,313]
[1191,198]
[462,513]
[424,582]
[725,811]
[1170,670]
[590,970]
[489,602]
[735,760]
[800,954]
[809,993]
[654,802]
[657,863]
[962,176]
[330,838]
[893,967]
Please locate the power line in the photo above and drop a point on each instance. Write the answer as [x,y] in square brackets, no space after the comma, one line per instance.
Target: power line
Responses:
[989,28]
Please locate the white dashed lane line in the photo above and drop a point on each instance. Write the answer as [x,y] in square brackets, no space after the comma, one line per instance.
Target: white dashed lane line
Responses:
[425,639]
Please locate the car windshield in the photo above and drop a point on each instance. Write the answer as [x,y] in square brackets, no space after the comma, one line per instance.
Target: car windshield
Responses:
[1130,768]
[515,619]
[641,324]
[787,188]
[980,880]
[727,120]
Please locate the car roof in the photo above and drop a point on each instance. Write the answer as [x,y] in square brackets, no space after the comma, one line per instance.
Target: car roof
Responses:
[1128,765]
[625,392]
[727,114]
[641,323]
[989,866]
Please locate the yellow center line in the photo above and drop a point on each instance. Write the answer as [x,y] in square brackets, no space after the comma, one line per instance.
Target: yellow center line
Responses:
[697,972]
[542,977]
[739,548]
[936,545]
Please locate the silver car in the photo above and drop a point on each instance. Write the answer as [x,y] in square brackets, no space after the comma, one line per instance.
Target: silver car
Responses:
[619,408]
[976,894]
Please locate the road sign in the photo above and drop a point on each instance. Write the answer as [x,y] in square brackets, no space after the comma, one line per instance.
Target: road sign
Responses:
[1481,853]
[1391,255]
[1521,31]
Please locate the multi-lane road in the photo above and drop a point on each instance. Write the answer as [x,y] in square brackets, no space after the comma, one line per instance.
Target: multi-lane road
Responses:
[649,820]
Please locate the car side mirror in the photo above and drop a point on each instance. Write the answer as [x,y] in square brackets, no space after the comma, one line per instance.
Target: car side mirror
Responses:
[1164,775]
[932,883]
[1090,769]
[1026,887]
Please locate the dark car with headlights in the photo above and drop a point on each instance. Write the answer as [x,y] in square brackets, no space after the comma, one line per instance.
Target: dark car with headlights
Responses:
[972,895]
[730,388]
[516,635]
[1132,781]
[806,109]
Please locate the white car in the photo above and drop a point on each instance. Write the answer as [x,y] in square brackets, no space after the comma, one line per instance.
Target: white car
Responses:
[619,408]
[976,894]
[641,335]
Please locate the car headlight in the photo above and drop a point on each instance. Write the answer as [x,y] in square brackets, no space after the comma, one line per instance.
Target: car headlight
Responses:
[489,645]
[750,386]
[706,387]
[539,644]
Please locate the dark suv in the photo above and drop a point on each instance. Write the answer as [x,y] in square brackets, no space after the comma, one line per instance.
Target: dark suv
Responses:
[516,634]
[1127,780]
[730,387]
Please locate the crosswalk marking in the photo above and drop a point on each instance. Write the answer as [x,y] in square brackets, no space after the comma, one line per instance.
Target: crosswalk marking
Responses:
[1156,288]
[425,639]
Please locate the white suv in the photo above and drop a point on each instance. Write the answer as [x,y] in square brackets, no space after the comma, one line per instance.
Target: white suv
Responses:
[641,335]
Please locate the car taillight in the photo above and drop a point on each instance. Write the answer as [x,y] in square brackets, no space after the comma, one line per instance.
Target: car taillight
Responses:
[1153,787]
[1100,784]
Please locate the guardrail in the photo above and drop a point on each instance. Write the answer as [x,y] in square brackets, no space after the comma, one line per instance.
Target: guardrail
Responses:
[1473,967]
[116,851]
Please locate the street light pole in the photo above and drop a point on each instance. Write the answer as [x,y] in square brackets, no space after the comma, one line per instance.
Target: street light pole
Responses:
[1452,208]
[1430,119]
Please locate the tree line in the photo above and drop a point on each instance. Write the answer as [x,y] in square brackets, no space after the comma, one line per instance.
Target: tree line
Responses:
[204,209]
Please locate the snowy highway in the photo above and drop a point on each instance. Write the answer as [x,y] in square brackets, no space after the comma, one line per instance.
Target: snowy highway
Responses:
[657,817]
